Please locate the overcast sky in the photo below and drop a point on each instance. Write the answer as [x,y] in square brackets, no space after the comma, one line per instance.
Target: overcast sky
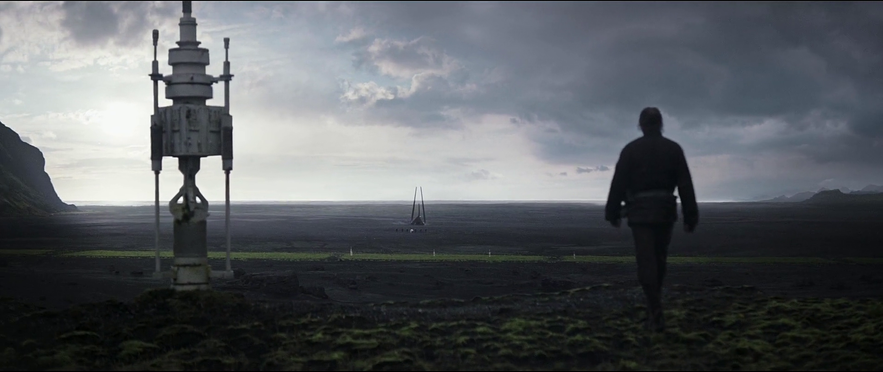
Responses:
[475,101]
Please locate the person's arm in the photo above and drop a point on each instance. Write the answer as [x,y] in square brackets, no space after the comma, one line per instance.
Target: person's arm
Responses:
[617,190]
[688,195]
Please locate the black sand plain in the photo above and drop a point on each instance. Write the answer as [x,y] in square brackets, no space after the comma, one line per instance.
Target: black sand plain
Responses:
[758,285]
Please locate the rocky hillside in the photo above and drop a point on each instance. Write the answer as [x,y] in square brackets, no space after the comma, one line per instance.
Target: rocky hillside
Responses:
[837,196]
[799,197]
[25,188]
[868,193]
[869,189]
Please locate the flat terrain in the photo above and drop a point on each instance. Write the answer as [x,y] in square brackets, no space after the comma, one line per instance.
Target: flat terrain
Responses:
[743,259]
[743,229]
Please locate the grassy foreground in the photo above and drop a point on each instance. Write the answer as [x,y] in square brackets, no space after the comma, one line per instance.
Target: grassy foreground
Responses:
[428,257]
[589,328]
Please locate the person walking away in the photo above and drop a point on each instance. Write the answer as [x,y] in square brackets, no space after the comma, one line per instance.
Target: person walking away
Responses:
[646,175]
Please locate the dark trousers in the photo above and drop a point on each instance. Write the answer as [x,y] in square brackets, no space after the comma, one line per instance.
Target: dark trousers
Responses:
[651,251]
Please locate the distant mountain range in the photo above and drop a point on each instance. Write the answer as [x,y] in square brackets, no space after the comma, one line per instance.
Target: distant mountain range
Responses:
[868,193]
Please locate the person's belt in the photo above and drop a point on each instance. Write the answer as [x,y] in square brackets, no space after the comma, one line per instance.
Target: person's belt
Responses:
[652,193]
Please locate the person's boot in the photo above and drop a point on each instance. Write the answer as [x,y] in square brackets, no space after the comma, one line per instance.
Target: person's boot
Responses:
[659,320]
[655,318]
[649,324]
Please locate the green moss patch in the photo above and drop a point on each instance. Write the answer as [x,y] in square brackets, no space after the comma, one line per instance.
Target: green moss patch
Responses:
[427,257]
[587,328]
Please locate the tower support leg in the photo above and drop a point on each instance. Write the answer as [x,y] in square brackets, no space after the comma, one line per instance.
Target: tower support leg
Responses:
[158,270]
[227,218]
[190,268]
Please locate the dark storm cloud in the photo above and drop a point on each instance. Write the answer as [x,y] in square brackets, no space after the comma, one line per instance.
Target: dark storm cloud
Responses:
[124,23]
[591,67]
[853,149]
[868,121]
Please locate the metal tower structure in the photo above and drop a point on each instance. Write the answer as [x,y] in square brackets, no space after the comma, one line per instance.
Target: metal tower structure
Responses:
[190,130]
[420,209]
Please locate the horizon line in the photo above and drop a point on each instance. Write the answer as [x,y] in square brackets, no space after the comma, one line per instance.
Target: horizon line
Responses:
[603,201]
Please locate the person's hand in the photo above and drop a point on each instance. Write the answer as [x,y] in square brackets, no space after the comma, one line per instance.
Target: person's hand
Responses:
[616,223]
[689,228]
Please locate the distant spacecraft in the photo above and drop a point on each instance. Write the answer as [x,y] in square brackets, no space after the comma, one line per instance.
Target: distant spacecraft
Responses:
[420,209]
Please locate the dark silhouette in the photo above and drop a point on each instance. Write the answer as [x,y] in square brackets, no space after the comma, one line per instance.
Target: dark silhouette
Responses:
[648,170]
[420,209]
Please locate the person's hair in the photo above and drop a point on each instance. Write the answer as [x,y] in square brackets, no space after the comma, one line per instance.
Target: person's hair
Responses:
[650,119]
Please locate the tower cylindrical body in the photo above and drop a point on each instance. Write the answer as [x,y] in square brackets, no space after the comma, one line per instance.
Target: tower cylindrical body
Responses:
[188,83]
[190,268]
